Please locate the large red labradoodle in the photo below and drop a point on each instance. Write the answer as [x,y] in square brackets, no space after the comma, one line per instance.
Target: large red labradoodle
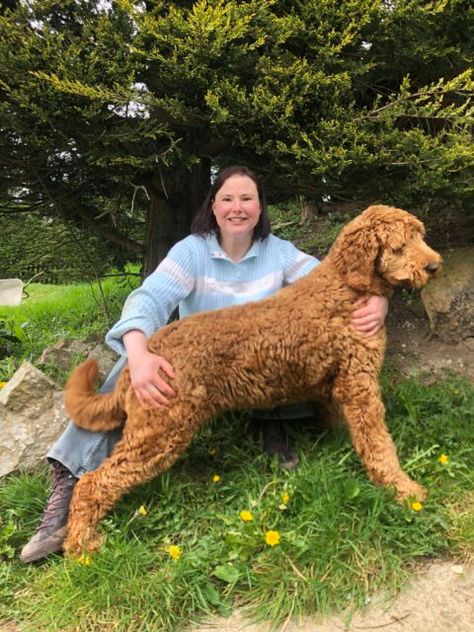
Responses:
[294,346]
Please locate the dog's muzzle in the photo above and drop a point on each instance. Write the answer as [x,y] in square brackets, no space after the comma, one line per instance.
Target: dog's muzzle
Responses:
[432,267]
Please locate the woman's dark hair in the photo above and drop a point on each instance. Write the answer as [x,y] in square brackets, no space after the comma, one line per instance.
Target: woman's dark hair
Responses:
[204,221]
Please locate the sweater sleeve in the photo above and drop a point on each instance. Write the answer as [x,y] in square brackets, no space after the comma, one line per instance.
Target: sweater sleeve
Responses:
[296,263]
[149,307]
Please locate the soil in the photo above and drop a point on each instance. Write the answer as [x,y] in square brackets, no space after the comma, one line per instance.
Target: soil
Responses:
[414,349]
[440,597]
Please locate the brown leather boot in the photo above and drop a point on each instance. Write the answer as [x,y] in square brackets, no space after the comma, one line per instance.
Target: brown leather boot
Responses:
[51,531]
[274,442]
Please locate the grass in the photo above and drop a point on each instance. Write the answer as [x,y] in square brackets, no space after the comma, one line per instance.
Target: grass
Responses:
[340,536]
[54,312]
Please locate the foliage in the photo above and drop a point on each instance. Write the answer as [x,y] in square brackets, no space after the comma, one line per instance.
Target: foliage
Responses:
[113,113]
[53,250]
[340,536]
[11,332]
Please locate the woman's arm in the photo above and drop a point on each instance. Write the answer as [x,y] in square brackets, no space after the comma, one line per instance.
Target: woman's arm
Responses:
[145,368]
[146,310]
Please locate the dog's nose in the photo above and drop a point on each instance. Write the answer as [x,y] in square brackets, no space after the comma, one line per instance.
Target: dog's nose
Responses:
[432,267]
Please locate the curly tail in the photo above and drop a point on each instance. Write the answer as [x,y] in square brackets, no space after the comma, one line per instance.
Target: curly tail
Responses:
[88,409]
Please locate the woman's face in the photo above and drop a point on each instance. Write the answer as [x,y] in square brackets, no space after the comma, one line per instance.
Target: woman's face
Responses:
[236,207]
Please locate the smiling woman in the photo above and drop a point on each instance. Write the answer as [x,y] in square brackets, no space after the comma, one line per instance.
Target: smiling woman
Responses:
[236,208]
[231,258]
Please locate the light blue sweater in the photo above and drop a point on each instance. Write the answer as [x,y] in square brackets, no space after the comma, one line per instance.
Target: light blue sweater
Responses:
[197,275]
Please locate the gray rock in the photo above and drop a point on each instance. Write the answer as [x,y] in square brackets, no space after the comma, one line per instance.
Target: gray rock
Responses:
[32,416]
[106,358]
[63,352]
[449,299]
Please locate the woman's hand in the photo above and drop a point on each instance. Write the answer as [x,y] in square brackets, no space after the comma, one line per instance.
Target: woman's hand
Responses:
[149,386]
[146,371]
[370,313]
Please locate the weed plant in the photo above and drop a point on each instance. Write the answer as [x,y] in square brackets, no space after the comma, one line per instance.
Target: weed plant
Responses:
[226,528]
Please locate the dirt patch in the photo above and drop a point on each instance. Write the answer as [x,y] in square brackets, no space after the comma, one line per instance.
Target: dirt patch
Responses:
[440,597]
[414,349]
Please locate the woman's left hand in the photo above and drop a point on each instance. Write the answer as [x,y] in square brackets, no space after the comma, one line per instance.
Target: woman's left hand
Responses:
[369,315]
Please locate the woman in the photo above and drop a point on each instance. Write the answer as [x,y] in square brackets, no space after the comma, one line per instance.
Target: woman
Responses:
[230,258]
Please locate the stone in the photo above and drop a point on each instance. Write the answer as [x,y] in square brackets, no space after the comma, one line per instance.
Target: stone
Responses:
[106,357]
[449,298]
[32,416]
[63,354]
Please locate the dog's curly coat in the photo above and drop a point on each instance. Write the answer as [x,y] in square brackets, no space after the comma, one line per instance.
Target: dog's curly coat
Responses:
[294,346]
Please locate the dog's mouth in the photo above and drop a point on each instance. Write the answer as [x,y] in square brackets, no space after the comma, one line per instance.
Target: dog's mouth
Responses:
[414,279]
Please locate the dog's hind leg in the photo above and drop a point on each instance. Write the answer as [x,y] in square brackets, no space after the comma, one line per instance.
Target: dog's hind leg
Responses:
[141,454]
[360,400]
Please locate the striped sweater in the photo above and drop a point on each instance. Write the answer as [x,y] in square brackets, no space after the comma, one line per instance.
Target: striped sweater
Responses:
[197,275]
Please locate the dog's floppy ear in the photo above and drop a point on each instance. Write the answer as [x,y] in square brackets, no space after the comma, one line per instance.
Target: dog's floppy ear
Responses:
[354,253]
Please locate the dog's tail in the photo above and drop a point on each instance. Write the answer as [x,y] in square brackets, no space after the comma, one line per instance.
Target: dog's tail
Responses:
[88,409]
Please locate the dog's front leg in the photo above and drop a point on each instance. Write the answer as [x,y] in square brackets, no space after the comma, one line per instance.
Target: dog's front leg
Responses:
[360,400]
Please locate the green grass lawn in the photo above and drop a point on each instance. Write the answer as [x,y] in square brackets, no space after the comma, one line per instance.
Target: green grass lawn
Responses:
[336,536]
[54,312]
[340,537]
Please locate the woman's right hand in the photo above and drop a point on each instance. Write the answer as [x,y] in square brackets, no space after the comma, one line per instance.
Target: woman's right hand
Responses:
[146,376]
[146,371]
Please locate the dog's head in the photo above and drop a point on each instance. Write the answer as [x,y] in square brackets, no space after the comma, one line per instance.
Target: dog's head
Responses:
[387,242]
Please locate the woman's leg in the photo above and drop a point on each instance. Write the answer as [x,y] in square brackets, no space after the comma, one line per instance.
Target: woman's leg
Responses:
[76,452]
[269,423]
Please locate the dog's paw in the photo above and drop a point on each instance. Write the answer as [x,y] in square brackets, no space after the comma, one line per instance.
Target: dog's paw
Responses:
[77,547]
[411,490]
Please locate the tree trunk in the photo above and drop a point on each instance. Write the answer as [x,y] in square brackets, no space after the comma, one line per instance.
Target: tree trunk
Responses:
[308,209]
[174,198]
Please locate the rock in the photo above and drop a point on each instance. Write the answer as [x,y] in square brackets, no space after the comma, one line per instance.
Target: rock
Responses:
[63,353]
[449,298]
[106,357]
[32,416]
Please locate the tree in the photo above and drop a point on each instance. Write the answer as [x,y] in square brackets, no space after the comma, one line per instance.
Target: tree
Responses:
[105,104]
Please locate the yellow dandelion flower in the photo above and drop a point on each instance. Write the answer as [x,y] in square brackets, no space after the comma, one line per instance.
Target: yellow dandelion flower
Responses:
[216,478]
[285,498]
[3,384]
[416,506]
[246,516]
[443,459]
[84,560]
[142,511]
[174,552]
[272,538]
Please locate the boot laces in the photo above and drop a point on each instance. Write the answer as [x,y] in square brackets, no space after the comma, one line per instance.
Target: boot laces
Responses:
[58,502]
